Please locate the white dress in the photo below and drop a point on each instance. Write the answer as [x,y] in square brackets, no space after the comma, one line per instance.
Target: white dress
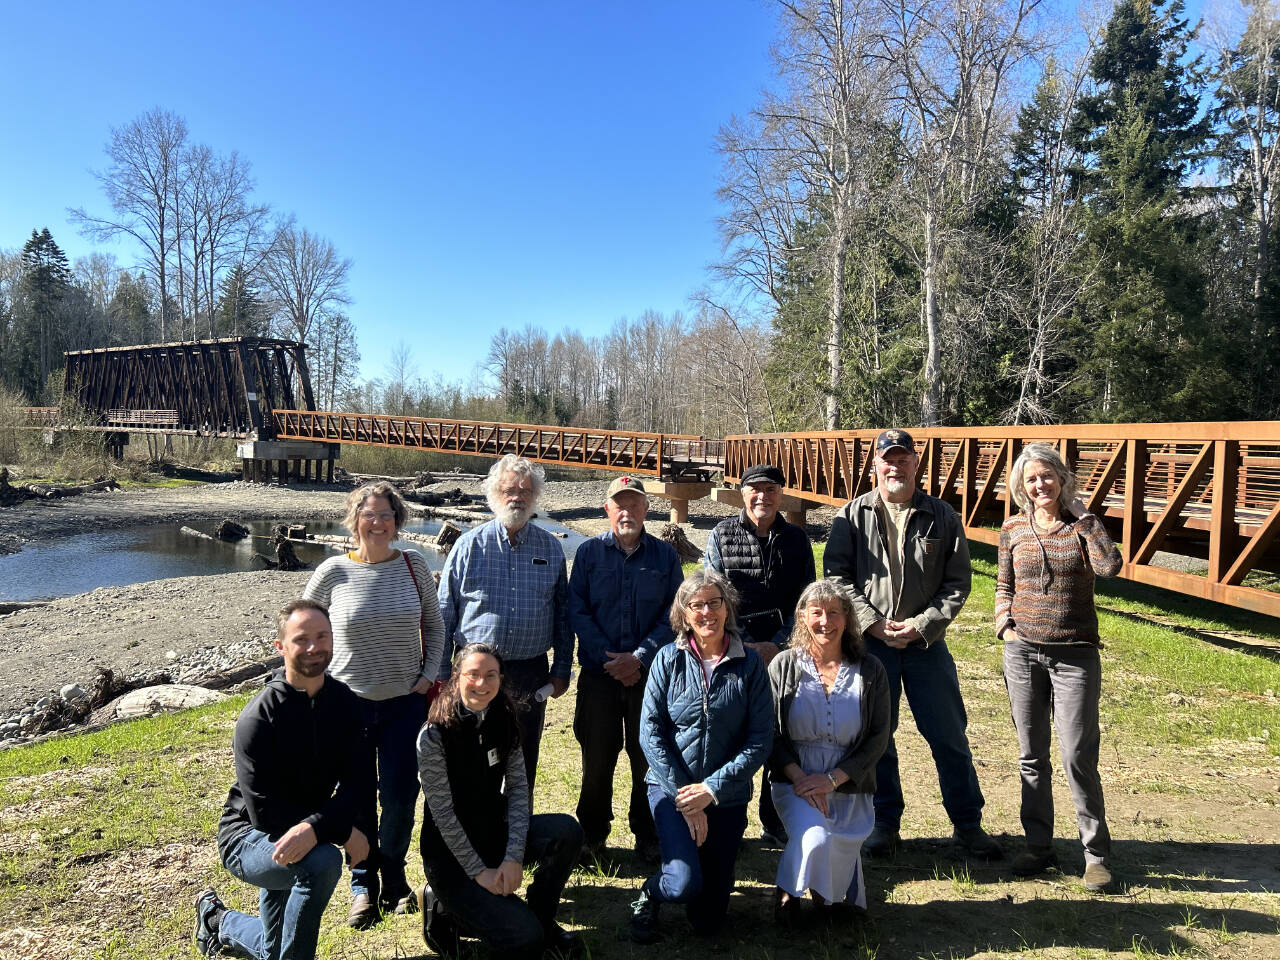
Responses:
[824,854]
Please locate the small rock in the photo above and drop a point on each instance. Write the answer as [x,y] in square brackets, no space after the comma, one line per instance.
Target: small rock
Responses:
[171,655]
[72,691]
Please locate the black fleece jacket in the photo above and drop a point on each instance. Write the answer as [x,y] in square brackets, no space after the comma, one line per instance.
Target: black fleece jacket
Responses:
[299,758]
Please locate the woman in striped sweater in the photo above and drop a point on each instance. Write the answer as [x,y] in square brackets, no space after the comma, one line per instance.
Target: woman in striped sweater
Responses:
[1049,557]
[388,638]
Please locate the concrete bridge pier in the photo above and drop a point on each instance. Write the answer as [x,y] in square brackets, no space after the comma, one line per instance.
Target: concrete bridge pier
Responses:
[793,509]
[285,461]
[679,493]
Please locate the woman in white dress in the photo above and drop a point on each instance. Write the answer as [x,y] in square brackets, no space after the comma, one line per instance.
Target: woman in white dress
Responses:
[832,725]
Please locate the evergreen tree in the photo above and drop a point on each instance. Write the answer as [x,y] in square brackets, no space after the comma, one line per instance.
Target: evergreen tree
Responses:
[1141,138]
[240,311]
[45,282]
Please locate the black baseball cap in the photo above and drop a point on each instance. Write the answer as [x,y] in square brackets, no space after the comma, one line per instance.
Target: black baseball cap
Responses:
[764,473]
[895,438]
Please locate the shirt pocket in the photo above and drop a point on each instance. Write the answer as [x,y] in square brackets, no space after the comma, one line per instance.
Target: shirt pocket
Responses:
[927,552]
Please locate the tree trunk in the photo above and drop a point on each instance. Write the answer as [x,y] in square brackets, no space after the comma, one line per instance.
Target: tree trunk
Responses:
[931,406]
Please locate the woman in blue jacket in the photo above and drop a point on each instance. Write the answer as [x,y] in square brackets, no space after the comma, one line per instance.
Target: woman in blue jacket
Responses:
[706,727]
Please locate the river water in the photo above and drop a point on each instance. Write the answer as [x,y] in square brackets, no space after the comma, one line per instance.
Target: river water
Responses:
[68,566]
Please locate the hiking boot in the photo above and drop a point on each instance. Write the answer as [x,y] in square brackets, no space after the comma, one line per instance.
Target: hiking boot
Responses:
[209,911]
[592,854]
[978,843]
[1029,863]
[363,913]
[644,917]
[562,944]
[439,930]
[1096,877]
[883,841]
[649,851]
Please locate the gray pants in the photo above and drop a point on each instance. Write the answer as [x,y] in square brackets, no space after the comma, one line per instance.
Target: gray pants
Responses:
[1064,683]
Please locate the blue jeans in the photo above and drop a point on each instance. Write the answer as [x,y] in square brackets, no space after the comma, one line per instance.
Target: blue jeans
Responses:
[291,902]
[508,926]
[392,726]
[701,877]
[928,675]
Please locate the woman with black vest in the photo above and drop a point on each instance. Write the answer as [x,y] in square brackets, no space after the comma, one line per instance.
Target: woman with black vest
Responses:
[477,831]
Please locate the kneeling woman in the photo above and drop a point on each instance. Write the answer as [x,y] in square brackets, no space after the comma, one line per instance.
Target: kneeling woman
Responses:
[706,727]
[832,726]
[477,830]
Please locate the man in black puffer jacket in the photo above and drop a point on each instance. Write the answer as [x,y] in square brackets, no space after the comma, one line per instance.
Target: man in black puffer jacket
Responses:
[304,771]
[770,562]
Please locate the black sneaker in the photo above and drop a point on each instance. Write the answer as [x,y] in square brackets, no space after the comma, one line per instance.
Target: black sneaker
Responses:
[439,930]
[209,911]
[775,836]
[644,917]
[562,944]
[978,844]
[1031,863]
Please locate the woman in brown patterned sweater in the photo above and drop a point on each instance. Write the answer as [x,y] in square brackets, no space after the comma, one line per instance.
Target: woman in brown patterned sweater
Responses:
[1049,557]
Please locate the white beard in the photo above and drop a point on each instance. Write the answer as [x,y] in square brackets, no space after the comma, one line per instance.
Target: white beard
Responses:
[512,517]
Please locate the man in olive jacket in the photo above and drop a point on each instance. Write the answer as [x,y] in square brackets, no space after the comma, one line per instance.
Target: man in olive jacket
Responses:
[905,557]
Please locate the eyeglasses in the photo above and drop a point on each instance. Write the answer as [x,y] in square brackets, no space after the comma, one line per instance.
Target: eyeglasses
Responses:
[698,606]
[516,491]
[369,516]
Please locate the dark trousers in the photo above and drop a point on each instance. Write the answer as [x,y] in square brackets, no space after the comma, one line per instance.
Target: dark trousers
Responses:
[701,877]
[522,678]
[510,926]
[606,719]
[392,727]
[928,675]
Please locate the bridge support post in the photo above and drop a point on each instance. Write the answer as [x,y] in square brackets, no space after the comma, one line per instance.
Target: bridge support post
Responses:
[679,494]
[279,461]
[115,444]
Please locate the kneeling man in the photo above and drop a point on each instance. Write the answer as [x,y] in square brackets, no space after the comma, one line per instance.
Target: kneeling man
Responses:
[303,773]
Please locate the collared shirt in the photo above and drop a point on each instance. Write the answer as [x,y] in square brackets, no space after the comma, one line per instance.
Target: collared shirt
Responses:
[622,602]
[510,593]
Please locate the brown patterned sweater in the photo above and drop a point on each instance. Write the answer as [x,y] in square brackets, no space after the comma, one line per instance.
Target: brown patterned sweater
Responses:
[1044,586]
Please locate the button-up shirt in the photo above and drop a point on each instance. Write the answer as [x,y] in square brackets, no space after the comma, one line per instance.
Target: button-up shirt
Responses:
[509,592]
[621,602]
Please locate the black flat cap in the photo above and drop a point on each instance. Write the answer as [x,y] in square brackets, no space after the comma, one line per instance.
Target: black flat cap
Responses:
[763,473]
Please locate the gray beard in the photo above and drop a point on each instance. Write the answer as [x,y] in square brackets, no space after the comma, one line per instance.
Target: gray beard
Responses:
[510,517]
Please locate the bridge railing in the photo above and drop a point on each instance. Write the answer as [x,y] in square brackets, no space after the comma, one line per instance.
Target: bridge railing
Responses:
[650,454]
[1195,507]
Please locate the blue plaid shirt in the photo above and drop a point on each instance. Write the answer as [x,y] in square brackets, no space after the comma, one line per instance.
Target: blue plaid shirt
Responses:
[511,594]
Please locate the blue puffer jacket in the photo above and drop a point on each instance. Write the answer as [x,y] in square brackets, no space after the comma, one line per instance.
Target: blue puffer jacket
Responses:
[720,738]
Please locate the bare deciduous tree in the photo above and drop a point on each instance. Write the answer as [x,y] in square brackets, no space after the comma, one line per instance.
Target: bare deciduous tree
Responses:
[140,186]
[306,276]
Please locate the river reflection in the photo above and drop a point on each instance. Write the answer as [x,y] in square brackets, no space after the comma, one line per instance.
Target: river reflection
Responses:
[71,565]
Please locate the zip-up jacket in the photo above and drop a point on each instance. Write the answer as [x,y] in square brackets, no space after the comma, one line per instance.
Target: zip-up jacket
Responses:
[767,580]
[299,758]
[936,577]
[719,736]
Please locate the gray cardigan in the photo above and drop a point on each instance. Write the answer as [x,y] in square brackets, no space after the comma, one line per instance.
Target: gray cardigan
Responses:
[859,762]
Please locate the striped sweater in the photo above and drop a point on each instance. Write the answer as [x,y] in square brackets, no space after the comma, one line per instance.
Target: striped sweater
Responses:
[375,611]
[1044,586]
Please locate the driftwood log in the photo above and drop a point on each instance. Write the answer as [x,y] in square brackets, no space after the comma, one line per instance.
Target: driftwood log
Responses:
[687,552]
[192,532]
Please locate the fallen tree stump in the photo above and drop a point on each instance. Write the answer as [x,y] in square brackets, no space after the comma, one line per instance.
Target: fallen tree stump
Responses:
[231,531]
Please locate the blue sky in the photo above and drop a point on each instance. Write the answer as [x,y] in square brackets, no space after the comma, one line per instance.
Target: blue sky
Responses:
[483,166]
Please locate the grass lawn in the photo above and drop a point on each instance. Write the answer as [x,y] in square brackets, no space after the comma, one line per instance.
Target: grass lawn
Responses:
[106,837]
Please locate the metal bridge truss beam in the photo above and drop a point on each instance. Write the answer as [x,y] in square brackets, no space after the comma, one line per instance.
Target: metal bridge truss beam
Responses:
[1200,490]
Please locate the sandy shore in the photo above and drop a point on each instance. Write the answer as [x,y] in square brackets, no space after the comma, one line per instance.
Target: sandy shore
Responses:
[185,624]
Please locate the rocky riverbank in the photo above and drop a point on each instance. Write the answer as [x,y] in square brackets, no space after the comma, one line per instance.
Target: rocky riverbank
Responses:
[191,627]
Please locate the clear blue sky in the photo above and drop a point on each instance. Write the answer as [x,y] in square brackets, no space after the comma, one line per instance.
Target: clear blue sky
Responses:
[483,166]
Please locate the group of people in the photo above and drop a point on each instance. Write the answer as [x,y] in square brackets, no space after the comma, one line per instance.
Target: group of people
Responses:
[750,664]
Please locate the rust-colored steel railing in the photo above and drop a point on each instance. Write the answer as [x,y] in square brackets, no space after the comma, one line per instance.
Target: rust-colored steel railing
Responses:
[648,454]
[1168,492]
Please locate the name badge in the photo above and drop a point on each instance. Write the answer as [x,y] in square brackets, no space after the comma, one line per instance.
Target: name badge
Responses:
[493,758]
[539,561]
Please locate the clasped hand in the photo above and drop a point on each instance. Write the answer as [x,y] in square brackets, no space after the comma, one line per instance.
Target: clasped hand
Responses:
[502,881]
[898,634]
[814,788]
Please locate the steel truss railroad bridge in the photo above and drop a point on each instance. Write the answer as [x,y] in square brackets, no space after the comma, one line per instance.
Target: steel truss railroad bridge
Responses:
[1174,495]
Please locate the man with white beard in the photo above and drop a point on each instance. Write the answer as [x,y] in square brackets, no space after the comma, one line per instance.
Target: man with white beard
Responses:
[505,584]
[904,556]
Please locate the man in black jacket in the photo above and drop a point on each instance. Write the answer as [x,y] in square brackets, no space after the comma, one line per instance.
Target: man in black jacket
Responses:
[303,774]
[769,562]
